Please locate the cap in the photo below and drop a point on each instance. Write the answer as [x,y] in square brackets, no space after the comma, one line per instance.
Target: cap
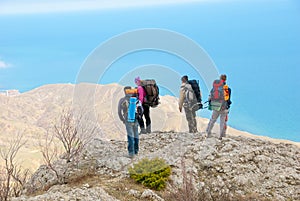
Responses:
[137,79]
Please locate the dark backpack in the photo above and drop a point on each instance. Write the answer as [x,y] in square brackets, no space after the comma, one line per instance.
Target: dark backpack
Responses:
[196,88]
[152,92]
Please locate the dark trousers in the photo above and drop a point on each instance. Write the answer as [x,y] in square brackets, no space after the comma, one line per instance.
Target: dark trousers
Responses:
[147,117]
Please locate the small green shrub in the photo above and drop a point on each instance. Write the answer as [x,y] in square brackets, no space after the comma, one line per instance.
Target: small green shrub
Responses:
[152,173]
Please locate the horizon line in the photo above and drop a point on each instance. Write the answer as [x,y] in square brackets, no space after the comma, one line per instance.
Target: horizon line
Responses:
[37,7]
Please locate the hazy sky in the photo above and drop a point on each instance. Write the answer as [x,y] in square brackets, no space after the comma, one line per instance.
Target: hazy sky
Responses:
[256,43]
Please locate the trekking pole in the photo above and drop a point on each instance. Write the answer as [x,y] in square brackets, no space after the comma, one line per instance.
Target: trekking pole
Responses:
[205,106]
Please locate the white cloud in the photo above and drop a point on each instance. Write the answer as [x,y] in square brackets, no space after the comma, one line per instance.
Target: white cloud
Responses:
[4,65]
[52,6]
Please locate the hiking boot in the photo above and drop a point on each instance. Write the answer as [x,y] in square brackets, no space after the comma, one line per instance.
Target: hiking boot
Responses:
[143,131]
[148,129]
[131,156]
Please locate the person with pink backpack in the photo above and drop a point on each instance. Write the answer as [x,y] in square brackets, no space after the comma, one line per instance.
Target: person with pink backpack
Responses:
[142,95]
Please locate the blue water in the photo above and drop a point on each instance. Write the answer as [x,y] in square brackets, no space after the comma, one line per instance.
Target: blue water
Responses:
[256,43]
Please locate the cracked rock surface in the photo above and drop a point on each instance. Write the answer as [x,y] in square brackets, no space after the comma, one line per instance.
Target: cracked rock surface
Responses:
[234,164]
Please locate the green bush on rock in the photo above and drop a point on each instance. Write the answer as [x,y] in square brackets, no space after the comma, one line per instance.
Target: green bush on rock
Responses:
[152,173]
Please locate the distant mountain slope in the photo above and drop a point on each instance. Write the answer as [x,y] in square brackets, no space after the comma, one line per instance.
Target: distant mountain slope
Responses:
[34,112]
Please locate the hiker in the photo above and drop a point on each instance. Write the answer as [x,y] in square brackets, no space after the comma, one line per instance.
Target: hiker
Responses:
[187,99]
[132,123]
[146,108]
[219,102]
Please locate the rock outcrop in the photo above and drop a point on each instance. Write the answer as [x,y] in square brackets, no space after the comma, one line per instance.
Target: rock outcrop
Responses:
[235,165]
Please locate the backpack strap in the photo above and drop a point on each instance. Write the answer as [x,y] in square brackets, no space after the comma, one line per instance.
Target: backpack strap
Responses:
[217,90]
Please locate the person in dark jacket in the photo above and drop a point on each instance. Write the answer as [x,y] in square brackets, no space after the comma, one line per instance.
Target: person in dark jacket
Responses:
[146,108]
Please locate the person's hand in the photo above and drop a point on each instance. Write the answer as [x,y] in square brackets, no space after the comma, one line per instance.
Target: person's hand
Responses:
[200,106]
[228,104]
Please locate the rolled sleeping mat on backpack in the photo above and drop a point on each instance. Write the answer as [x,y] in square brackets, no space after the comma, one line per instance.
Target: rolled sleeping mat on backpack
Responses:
[132,92]
[132,109]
